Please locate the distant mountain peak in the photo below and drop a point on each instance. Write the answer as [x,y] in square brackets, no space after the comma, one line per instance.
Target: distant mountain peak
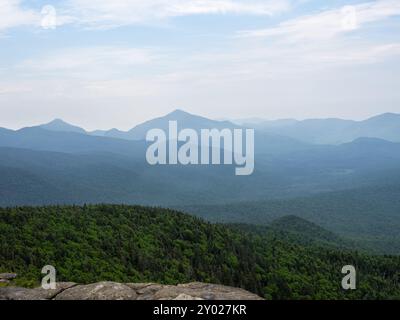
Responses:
[179,111]
[60,125]
[57,121]
[179,114]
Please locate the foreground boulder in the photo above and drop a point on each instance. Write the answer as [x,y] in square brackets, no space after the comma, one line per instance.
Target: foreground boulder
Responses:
[129,291]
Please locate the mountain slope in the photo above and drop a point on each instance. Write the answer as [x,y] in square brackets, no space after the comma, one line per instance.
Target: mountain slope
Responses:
[304,231]
[297,230]
[98,177]
[136,244]
[37,138]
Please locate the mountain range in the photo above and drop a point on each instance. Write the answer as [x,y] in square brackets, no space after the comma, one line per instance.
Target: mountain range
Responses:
[184,119]
[58,163]
[321,131]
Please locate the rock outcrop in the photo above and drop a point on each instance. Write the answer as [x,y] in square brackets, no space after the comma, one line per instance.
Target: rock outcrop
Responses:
[7,277]
[129,291]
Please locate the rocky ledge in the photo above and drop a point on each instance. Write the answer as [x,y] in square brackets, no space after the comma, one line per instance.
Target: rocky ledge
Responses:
[128,291]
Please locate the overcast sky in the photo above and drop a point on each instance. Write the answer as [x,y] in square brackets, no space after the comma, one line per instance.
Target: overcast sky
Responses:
[103,64]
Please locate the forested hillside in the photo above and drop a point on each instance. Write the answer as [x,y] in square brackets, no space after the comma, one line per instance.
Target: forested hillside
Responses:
[369,216]
[139,244]
[294,229]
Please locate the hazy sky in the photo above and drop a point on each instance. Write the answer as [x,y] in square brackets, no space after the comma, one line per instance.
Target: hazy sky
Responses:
[103,64]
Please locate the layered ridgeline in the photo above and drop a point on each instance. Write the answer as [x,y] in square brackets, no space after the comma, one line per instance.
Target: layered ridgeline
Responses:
[351,189]
[58,163]
[138,244]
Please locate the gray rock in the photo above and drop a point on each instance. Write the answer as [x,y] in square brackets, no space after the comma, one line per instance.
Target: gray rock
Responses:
[148,292]
[204,291]
[184,296]
[141,286]
[11,293]
[99,291]
[129,291]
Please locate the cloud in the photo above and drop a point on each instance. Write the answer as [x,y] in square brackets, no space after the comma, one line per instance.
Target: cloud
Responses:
[109,14]
[315,41]
[88,62]
[13,15]
[13,88]
[306,56]
[106,14]
[330,23]
[226,6]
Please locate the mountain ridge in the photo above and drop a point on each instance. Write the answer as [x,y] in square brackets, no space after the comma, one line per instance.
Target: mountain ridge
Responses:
[316,130]
[335,130]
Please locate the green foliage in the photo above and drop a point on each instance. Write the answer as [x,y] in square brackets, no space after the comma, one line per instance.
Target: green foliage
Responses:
[138,244]
[369,217]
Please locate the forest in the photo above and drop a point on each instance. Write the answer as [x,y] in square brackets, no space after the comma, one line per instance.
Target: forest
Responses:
[92,243]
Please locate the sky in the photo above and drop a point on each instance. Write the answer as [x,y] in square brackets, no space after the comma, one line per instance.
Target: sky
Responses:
[113,64]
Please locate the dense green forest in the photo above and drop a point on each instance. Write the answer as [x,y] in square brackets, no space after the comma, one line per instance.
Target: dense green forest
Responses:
[139,244]
[367,216]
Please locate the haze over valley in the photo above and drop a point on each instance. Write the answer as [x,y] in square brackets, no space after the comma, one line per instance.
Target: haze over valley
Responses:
[59,163]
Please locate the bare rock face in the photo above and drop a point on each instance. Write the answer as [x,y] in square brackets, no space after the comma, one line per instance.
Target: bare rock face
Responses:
[98,291]
[202,291]
[11,293]
[129,291]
